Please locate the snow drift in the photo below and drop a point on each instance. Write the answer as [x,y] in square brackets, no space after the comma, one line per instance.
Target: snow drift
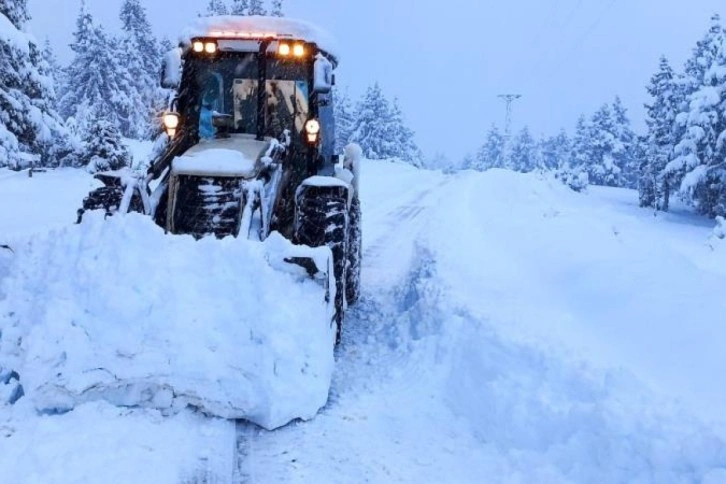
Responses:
[116,310]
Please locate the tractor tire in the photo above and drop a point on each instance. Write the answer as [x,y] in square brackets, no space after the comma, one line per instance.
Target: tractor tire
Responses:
[322,219]
[108,199]
[355,249]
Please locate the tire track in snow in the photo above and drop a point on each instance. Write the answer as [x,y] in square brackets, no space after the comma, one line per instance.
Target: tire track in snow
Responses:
[373,325]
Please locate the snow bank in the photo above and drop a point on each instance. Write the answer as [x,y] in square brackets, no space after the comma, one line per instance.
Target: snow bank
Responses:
[98,442]
[118,311]
[45,201]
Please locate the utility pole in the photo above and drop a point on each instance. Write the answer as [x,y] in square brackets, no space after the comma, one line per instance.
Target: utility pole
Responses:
[508,99]
[507,145]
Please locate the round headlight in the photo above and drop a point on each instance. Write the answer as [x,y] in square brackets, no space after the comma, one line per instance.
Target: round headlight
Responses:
[298,50]
[210,47]
[171,121]
[284,50]
[198,46]
[312,126]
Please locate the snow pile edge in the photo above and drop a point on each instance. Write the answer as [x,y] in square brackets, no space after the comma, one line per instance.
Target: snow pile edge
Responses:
[118,311]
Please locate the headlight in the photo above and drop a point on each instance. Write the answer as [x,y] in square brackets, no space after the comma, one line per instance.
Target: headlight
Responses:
[171,123]
[284,50]
[312,126]
[312,131]
[298,50]
[210,47]
[198,46]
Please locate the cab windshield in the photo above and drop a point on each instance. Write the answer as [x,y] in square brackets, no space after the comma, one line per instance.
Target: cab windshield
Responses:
[228,85]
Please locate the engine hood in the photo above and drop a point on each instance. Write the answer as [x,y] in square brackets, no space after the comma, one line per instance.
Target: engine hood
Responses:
[237,156]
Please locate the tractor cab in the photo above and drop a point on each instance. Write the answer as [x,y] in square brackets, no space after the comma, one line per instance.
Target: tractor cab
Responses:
[254,78]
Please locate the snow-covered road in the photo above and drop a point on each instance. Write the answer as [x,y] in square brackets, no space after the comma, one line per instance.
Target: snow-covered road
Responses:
[509,331]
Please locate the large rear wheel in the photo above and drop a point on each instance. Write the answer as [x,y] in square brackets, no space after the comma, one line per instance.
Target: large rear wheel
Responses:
[352,275]
[322,218]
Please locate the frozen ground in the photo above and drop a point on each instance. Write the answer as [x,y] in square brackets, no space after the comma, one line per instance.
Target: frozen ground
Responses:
[510,331]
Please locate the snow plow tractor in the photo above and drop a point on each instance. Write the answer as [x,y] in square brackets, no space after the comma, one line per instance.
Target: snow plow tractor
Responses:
[250,148]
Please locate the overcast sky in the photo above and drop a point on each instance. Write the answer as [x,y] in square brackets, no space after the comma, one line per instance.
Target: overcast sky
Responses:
[446,61]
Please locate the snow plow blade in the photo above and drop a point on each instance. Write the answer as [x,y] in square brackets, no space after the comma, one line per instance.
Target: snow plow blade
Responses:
[116,310]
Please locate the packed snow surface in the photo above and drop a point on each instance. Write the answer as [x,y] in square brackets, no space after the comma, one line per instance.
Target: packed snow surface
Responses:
[137,318]
[216,161]
[510,330]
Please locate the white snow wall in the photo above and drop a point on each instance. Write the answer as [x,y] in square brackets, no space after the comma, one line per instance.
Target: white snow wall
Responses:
[116,310]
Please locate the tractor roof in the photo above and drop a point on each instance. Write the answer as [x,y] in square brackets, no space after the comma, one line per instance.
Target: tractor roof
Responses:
[254,27]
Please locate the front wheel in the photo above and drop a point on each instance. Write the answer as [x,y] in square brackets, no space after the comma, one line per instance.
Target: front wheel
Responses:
[322,218]
[352,274]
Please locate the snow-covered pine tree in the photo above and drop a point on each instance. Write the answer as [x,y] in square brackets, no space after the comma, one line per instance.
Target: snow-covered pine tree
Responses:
[555,151]
[603,148]
[96,81]
[439,161]
[380,130]
[491,153]
[523,157]
[665,91]
[581,155]
[573,170]
[699,153]
[344,118]
[104,148]
[141,53]
[257,7]
[216,7]
[51,67]
[404,137]
[277,8]
[468,163]
[704,55]
[30,128]
[240,7]
[624,146]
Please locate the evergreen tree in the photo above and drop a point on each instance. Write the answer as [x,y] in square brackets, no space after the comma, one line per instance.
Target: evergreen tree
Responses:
[625,140]
[380,130]
[603,148]
[344,119]
[469,162]
[654,184]
[523,157]
[16,11]
[257,7]
[96,79]
[439,161]
[554,151]
[277,8]
[699,154]
[581,144]
[216,7]
[240,7]
[140,54]
[491,154]
[30,128]
[404,138]
[704,55]
[51,67]
[104,149]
